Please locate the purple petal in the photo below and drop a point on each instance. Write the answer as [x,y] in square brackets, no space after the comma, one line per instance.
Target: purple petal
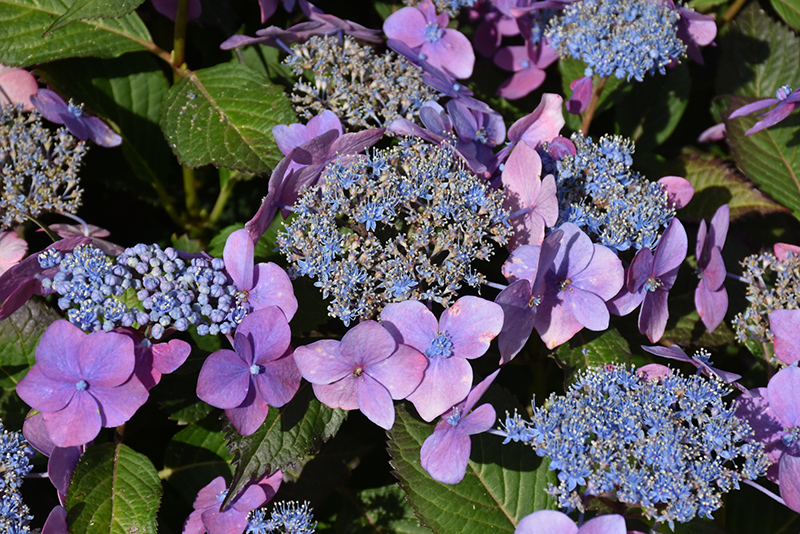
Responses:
[753,107]
[406,25]
[224,380]
[679,190]
[781,111]
[521,177]
[625,302]
[355,143]
[700,249]
[447,382]
[50,105]
[229,521]
[714,272]
[542,125]
[367,343]
[250,414]
[78,423]
[118,404]
[43,393]
[341,394]
[100,133]
[272,287]
[714,133]
[322,362]
[238,254]
[581,94]
[673,352]
[290,136]
[574,254]
[57,351]
[401,372]
[546,522]
[790,481]
[782,250]
[523,264]
[653,371]
[711,305]
[701,28]
[521,83]
[266,332]
[588,309]
[35,433]
[782,395]
[464,120]
[604,524]
[411,323]
[61,465]
[279,380]
[324,122]
[56,521]
[472,323]
[518,318]
[167,357]
[671,250]
[375,401]
[639,271]
[719,226]
[754,408]
[477,392]
[169,8]
[604,274]
[106,359]
[479,420]
[785,326]
[555,321]
[445,454]
[654,314]
[453,52]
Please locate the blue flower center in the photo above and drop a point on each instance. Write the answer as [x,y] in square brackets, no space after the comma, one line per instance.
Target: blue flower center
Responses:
[525,64]
[81,385]
[653,283]
[74,109]
[432,32]
[255,369]
[792,435]
[454,417]
[222,495]
[783,92]
[441,346]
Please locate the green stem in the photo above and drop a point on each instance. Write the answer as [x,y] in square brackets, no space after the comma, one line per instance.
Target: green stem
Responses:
[588,115]
[190,191]
[732,11]
[179,40]
[46,230]
[222,198]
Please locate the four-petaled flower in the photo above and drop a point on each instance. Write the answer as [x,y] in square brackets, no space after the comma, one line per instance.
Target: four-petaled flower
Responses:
[554,522]
[786,100]
[365,371]
[80,124]
[259,372]
[710,297]
[82,382]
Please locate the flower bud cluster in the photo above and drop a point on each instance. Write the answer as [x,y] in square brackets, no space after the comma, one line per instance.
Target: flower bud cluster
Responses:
[15,455]
[147,286]
[39,168]
[404,223]
[286,518]
[669,446]
[364,89]
[598,191]
[624,38]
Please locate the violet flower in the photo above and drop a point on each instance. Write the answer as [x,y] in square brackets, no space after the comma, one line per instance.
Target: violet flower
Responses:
[16,87]
[12,250]
[56,522]
[528,71]
[531,201]
[263,285]
[579,281]
[95,233]
[582,90]
[700,360]
[649,279]
[555,522]
[478,132]
[62,460]
[365,371]
[786,100]
[525,270]
[420,28]
[785,326]
[679,190]
[463,333]
[208,515]
[155,360]
[83,126]
[445,453]
[710,297]
[82,382]
[260,372]
[782,250]
[714,133]
[268,7]
[540,126]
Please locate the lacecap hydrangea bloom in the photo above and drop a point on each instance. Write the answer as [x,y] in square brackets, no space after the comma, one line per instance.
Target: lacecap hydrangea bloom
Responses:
[15,463]
[668,445]
[404,223]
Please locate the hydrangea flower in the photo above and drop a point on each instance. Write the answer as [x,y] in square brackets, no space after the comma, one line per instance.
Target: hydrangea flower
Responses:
[82,382]
[53,108]
[259,372]
[365,371]
[156,359]
[786,100]
[12,250]
[582,90]
[16,87]
[710,297]
[528,71]
[463,333]
[701,360]
[579,281]
[420,28]
[555,522]
[445,453]
[541,125]
[208,515]
[286,518]
[785,326]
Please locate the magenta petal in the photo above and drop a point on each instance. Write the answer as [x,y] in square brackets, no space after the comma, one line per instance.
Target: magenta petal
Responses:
[522,83]
[18,85]
[230,521]
[719,226]
[118,404]
[249,415]
[521,176]
[56,350]
[604,524]
[411,323]
[447,381]
[472,324]
[272,287]
[340,394]
[400,373]
[679,190]
[167,357]
[790,481]
[782,250]
[375,402]
[711,305]
[546,522]
[782,392]
[322,362]
[445,454]
[279,380]
[714,272]
[224,380]
[581,94]
[785,326]
[406,25]
[78,423]
[367,343]
[106,359]
[43,393]
[479,420]
[238,254]
[541,125]
[453,52]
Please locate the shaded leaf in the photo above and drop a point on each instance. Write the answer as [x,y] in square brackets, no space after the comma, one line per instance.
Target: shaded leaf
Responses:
[717,183]
[503,483]
[757,56]
[22,23]
[749,510]
[19,335]
[689,330]
[379,510]
[224,116]
[593,349]
[789,10]
[95,9]
[194,456]
[289,433]
[114,489]
[769,158]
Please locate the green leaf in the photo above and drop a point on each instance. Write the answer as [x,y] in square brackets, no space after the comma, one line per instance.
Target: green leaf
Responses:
[22,23]
[195,456]
[94,9]
[703,5]
[19,335]
[757,56]
[128,92]
[379,510]
[224,116]
[614,90]
[503,483]
[290,432]
[115,490]
[770,158]
[689,330]
[717,183]
[593,349]
[655,107]
[789,10]
[186,243]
